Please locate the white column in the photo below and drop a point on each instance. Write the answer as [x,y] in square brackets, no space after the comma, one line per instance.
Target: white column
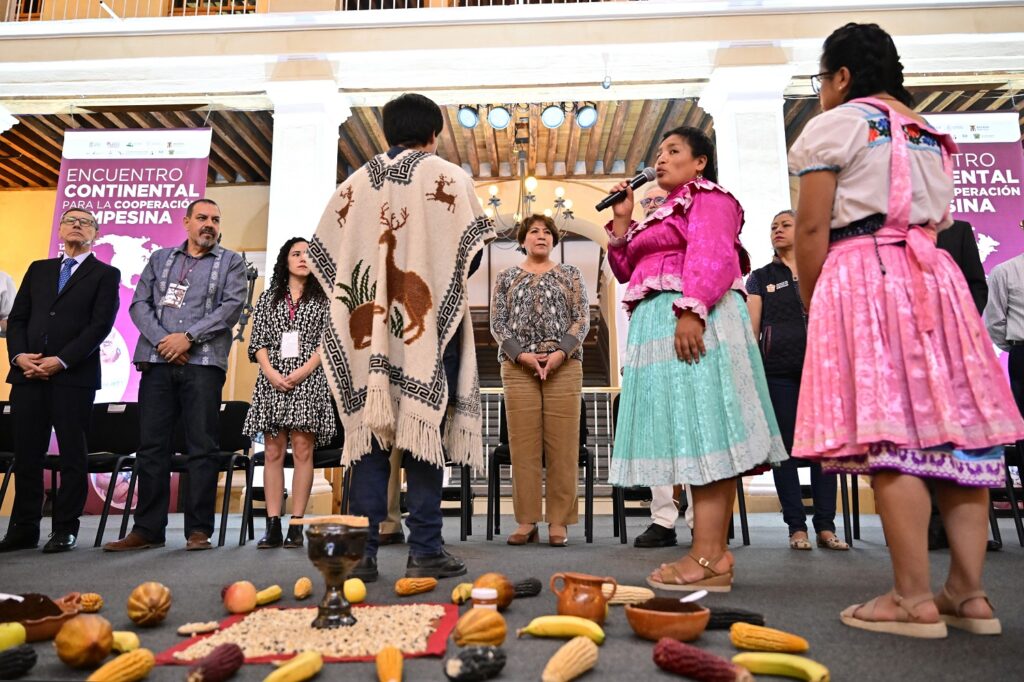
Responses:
[6,120]
[746,105]
[304,165]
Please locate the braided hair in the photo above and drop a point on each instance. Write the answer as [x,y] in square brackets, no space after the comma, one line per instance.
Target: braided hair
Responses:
[870,55]
[279,280]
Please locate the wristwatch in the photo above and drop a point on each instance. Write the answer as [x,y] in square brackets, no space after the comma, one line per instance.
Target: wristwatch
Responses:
[191,339]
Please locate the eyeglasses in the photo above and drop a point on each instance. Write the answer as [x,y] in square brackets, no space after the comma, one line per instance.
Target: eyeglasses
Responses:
[647,202]
[817,78]
[83,222]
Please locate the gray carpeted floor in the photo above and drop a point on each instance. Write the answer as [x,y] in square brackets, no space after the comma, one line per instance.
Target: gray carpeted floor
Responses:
[801,592]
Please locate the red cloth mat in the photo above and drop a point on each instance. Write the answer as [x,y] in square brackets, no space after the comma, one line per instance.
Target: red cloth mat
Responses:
[436,643]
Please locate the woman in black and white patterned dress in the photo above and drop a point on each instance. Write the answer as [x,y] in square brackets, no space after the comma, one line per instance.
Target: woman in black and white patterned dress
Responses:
[291,398]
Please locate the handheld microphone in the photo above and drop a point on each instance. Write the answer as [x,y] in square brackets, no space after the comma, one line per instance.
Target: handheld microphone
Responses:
[645,176]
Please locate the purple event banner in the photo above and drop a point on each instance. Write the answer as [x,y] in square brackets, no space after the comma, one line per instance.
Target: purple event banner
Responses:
[138,184]
[987,175]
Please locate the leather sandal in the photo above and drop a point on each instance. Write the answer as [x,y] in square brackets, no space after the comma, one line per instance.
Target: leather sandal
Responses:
[713,581]
[800,543]
[833,543]
[950,610]
[906,624]
[524,538]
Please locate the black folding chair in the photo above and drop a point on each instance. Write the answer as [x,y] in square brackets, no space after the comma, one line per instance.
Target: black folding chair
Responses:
[233,456]
[501,455]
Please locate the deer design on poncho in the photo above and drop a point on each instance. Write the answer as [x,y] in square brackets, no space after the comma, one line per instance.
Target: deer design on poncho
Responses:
[404,286]
[440,195]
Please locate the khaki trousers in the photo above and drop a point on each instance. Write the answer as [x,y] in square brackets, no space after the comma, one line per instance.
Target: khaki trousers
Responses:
[393,523]
[543,421]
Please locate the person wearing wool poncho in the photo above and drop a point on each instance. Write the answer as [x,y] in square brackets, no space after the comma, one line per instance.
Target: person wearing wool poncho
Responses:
[394,251]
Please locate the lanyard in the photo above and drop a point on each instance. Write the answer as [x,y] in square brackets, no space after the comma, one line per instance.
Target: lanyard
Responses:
[293,308]
[185,273]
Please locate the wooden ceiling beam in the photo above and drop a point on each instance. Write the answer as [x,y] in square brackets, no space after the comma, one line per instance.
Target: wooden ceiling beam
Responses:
[948,100]
[44,162]
[12,178]
[645,124]
[998,102]
[264,123]
[230,142]
[594,141]
[373,125]
[532,148]
[925,104]
[469,141]
[24,167]
[182,119]
[972,100]
[357,132]
[611,148]
[674,116]
[44,146]
[551,151]
[492,147]
[451,143]
[245,128]
[352,159]
[573,150]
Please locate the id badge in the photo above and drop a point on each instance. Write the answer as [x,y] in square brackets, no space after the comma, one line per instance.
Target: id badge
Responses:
[175,296]
[290,344]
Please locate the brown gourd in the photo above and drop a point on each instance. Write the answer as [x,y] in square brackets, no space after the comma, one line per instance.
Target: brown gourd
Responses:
[84,641]
[149,603]
[218,665]
[408,586]
[506,590]
[129,667]
[389,664]
[758,638]
[689,661]
[480,626]
[574,658]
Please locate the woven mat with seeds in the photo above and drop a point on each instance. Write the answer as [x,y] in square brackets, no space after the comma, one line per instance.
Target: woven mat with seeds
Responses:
[272,634]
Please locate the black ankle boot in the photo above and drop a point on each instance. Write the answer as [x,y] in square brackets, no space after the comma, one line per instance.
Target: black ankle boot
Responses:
[294,537]
[272,538]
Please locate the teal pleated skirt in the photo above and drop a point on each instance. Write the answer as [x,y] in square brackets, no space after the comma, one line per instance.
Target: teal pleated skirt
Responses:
[692,423]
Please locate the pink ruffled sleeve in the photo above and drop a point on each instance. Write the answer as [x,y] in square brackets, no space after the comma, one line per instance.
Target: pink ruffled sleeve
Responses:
[618,256]
[712,262]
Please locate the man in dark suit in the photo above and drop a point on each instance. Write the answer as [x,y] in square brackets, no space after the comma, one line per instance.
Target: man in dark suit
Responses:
[63,311]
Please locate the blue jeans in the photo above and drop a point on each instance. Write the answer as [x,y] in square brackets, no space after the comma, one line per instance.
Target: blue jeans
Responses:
[785,394]
[171,396]
[369,483]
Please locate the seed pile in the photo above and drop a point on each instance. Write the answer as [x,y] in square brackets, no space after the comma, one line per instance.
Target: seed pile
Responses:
[282,632]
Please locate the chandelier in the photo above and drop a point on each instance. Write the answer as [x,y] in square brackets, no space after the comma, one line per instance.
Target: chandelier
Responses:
[560,210]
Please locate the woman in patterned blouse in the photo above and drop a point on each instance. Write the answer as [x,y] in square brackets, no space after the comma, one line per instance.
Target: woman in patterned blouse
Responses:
[539,317]
[291,396]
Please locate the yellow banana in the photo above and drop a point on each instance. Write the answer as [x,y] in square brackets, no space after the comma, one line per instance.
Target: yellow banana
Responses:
[268,595]
[783,665]
[462,593]
[125,641]
[302,667]
[11,635]
[563,626]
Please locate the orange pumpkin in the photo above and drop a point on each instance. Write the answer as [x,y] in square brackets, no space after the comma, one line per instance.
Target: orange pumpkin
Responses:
[149,603]
[84,641]
[506,590]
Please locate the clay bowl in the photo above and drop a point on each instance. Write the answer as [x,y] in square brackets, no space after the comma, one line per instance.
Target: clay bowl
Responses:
[667,617]
[41,629]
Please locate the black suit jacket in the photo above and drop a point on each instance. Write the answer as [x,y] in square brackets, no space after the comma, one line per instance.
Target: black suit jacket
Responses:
[958,239]
[70,325]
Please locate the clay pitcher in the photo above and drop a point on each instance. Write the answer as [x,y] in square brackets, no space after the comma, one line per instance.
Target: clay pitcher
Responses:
[581,595]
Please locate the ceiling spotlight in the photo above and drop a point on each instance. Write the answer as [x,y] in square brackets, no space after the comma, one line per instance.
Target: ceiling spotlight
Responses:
[586,116]
[552,116]
[468,117]
[499,117]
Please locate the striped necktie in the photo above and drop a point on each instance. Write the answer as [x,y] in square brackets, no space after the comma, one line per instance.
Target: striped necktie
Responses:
[65,273]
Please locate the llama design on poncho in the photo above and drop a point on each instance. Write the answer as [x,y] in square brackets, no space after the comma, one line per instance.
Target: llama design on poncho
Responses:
[396,274]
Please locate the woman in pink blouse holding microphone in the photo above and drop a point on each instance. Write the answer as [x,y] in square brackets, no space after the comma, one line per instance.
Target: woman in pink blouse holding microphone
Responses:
[694,406]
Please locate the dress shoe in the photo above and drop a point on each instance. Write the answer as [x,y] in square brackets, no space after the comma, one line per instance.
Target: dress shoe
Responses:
[59,542]
[396,538]
[656,536]
[366,570]
[441,565]
[993,546]
[272,538]
[524,538]
[557,539]
[17,539]
[197,540]
[131,542]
